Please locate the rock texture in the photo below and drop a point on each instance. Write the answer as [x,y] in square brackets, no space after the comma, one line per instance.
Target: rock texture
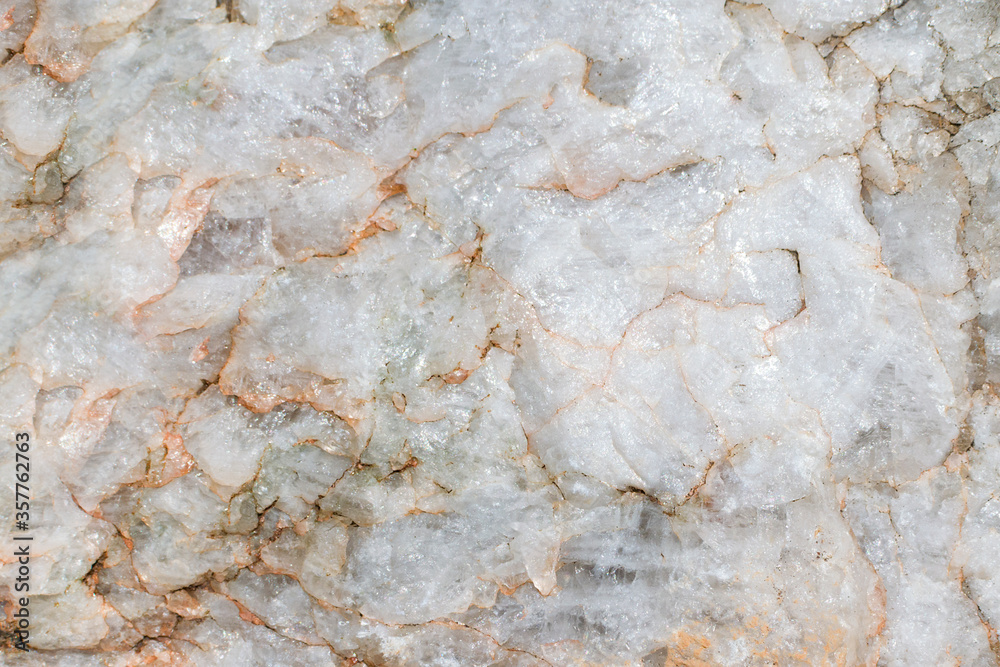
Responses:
[460,333]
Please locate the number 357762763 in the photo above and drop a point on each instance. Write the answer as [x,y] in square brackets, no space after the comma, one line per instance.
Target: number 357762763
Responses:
[22,479]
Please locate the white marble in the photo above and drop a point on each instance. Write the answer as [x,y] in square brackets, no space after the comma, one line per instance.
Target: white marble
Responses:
[455,333]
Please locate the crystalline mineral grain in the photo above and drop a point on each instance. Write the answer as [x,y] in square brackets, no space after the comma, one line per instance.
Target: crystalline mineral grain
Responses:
[451,333]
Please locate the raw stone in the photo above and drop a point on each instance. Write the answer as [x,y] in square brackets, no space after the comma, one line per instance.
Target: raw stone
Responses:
[459,333]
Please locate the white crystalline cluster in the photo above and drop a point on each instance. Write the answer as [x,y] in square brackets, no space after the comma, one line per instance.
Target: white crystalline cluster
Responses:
[446,332]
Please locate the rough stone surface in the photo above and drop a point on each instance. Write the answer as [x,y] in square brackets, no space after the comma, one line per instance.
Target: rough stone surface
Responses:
[459,333]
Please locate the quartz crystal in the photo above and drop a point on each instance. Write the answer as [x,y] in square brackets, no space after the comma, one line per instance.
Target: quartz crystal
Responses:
[451,333]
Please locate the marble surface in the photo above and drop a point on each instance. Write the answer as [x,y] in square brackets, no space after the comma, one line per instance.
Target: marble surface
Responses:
[461,333]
